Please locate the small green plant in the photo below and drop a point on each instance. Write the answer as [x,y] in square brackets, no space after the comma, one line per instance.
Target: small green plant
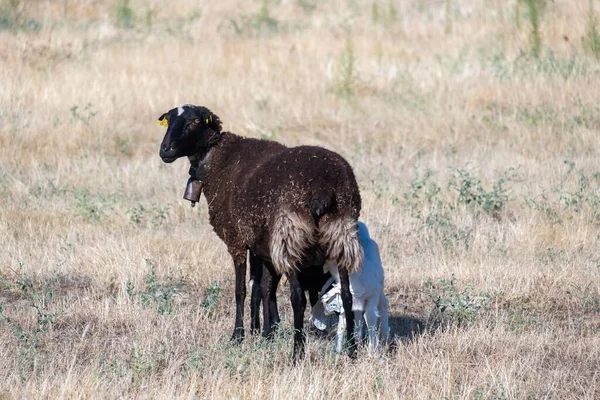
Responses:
[591,38]
[160,214]
[136,215]
[140,363]
[383,14]
[472,193]
[141,215]
[264,19]
[578,190]
[346,74]
[448,12]
[123,144]
[259,24]
[459,305]
[422,189]
[588,296]
[307,5]
[535,10]
[124,14]
[83,114]
[40,296]
[157,294]
[438,225]
[86,206]
[491,394]
[213,295]
[12,18]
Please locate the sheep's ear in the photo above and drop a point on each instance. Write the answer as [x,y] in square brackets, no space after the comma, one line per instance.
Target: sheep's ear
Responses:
[162,120]
[212,121]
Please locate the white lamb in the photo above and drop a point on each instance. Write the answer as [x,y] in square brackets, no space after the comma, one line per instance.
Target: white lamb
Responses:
[368,300]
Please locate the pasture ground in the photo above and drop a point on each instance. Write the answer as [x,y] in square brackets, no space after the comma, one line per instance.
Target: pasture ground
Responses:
[472,127]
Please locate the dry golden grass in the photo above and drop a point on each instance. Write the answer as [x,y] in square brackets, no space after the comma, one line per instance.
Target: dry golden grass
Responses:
[104,269]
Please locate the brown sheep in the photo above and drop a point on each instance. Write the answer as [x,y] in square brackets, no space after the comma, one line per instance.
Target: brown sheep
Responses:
[293,207]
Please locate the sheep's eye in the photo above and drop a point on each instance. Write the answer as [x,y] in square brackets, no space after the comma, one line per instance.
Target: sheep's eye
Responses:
[197,121]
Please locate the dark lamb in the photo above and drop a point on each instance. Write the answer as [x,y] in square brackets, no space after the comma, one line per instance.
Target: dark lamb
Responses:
[291,207]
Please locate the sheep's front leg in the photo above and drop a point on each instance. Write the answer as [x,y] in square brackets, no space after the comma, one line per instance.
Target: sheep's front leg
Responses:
[299,306]
[256,277]
[347,304]
[240,297]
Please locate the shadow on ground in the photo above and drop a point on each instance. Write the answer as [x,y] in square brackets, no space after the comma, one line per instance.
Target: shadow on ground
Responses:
[405,328]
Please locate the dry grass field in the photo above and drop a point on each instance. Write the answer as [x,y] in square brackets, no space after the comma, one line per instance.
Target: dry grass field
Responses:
[472,127]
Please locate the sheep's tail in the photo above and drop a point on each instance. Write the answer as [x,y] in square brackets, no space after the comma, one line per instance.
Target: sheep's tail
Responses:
[321,202]
[338,235]
[291,236]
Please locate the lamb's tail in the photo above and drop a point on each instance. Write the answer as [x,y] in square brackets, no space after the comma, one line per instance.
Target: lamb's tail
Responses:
[338,235]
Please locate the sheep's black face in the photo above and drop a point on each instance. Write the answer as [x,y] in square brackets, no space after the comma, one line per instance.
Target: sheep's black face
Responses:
[190,129]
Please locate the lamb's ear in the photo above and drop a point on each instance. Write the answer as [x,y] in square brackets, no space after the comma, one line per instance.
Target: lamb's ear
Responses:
[162,120]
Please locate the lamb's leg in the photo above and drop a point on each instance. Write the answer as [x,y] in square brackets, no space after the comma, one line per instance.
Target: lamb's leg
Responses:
[240,297]
[347,304]
[371,320]
[299,306]
[341,333]
[384,329]
[256,274]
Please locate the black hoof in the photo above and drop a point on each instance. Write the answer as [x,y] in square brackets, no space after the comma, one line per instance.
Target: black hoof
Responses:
[238,335]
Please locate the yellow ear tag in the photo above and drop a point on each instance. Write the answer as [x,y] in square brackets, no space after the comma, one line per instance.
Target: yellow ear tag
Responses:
[163,122]
[206,121]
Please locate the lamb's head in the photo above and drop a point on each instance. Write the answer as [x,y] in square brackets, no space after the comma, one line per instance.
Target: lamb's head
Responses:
[190,130]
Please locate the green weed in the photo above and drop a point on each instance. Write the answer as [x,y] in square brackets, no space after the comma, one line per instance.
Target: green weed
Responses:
[346,75]
[578,190]
[262,23]
[13,19]
[491,394]
[591,38]
[587,296]
[307,5]
[213,295]
[473,194]
[383,13]
[438,225]
[422,189]
[143,216]
[158,293]
[40,297]
[535,10]
[87,208]
[83,114]
[457,305]
[124,16]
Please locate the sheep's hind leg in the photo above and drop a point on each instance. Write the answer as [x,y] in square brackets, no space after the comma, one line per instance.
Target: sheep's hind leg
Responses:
[347,304]
[299,306]
[256,276]
[240,297]
[270,282]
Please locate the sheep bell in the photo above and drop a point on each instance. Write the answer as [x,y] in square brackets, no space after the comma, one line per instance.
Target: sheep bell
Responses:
[192,191]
